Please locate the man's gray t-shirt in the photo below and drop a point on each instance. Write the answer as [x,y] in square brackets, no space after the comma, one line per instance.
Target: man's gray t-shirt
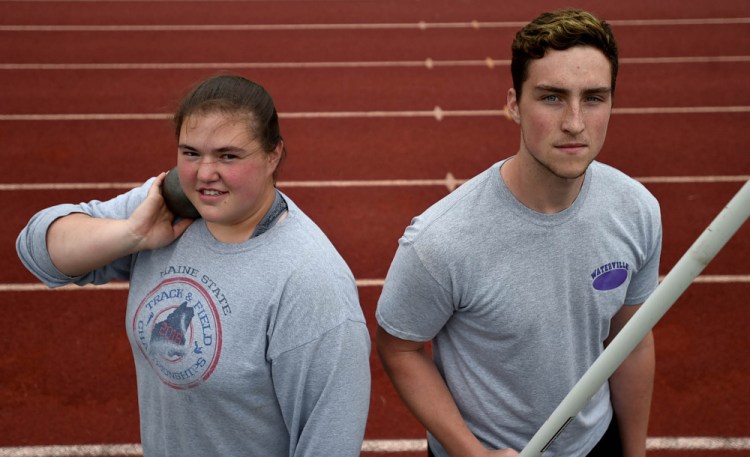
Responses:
[517,303]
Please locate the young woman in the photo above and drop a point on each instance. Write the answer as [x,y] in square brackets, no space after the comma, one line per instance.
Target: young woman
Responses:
[245,323]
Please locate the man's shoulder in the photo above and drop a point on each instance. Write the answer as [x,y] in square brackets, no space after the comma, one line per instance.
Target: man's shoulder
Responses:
[456,207]
[621,197]
[614,181]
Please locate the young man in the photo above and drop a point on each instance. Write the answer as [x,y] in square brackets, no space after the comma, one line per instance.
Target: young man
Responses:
[521,276]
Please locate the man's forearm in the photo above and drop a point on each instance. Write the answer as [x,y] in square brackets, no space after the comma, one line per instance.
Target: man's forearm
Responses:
[418,382]
[631,388]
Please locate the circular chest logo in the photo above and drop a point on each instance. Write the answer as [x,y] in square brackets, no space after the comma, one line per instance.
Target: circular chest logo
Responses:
[177,329]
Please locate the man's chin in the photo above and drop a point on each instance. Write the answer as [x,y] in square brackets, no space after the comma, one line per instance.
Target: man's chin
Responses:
[568,171]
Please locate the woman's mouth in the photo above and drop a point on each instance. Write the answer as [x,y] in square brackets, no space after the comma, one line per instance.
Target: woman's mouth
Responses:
[210,193]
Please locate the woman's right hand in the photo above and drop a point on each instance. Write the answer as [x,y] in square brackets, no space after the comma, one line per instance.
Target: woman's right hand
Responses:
[151,224]
[79,243]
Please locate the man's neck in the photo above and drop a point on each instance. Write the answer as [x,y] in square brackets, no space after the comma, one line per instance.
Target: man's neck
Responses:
[536,187]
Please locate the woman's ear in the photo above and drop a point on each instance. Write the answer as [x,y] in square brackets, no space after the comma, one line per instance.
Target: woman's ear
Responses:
[512,106]
[275,156]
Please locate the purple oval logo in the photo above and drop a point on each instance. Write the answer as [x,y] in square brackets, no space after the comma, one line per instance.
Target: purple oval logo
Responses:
[612,279]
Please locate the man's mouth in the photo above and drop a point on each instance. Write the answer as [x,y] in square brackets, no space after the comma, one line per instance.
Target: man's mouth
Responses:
[571,147]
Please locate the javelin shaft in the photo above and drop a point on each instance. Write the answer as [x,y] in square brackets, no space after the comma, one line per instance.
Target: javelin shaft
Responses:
[705,248]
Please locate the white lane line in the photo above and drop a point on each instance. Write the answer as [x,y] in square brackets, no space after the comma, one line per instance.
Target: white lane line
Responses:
[381,446]
[698,443]
[86,117]
[691,179]
[685,59]
[696,21]
[436,113]
[450,182]
[38,287]
[389,446]
[92,450]
[69,186]
[421,25]
[683,110]
[428,63]
[725,279]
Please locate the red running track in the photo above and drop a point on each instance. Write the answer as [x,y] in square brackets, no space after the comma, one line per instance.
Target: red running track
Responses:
[67,375]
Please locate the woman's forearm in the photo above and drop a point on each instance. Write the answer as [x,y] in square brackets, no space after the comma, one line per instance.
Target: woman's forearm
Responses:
[79,243]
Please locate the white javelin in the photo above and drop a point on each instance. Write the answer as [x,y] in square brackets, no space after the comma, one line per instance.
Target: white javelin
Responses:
[705,248]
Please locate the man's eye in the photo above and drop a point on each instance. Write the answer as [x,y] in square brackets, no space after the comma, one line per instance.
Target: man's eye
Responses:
[551,98]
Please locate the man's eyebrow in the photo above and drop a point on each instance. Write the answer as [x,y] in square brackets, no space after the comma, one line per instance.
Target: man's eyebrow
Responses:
[553,89]
[560,90]
[598,90]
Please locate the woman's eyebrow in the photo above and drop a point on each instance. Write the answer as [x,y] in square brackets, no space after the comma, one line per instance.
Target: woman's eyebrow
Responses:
[219,150]
[225,149]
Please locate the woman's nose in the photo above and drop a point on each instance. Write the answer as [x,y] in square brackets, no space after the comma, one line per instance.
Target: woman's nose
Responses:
[207,169]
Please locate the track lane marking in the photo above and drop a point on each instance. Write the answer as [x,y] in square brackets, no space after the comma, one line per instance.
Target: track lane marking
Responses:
[382,446]
[428,63]
[450,182]
[420,25]
[39,287]
[436,113]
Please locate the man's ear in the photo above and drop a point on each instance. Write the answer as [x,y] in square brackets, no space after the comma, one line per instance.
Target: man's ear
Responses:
[512,106]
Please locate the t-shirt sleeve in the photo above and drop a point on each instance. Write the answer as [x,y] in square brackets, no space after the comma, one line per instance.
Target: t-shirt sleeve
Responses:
[323,388]
[31,244]
[416,301]
[646,278]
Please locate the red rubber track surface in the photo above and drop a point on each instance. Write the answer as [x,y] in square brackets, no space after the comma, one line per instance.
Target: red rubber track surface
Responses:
[66,373]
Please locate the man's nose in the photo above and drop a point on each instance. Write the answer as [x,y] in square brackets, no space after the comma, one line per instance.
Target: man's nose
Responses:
[573,121]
